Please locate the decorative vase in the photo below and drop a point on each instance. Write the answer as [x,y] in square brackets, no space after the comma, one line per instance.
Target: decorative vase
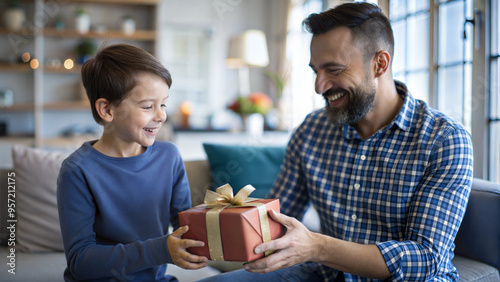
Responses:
[82,23]
[253,124]
[128,26]
[14,18]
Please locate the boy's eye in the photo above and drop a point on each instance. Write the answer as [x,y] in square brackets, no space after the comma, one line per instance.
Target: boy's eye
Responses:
[147,107]
[163,105]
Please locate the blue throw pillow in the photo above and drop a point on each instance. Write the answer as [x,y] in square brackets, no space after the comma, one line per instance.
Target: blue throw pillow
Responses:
[240,165]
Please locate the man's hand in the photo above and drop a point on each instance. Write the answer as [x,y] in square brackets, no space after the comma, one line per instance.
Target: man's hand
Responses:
[297,246]
[177,248]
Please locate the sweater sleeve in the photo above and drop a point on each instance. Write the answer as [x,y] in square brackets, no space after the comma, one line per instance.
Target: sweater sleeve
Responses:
[181,197]
[77,210]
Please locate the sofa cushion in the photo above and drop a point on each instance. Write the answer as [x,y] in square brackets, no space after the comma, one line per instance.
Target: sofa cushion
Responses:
[36,171]
[198,173]
[240,165]
[479,233]
[471,270]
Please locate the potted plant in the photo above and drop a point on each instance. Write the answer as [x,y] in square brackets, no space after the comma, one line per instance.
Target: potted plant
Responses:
[85,50]
[14,16]
[82,21]
[252,110]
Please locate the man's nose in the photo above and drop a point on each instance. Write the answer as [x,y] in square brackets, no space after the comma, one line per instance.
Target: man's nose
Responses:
[322,83]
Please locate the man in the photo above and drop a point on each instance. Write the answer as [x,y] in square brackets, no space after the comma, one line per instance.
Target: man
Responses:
[389,176]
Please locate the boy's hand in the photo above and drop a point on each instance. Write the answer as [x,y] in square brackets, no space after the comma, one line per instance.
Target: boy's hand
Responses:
[177,248]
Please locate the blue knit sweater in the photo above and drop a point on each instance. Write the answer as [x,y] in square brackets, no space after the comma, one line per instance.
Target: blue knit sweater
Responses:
[115,212]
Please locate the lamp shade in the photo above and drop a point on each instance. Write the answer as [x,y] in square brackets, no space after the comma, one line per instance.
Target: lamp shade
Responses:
[248,49]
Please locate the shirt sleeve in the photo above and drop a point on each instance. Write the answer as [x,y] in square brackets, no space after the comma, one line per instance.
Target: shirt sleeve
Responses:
[77,212]
[437,209]
[290,187]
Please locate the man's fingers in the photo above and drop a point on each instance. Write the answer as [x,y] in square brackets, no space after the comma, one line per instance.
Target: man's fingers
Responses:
[267,264]
[288,222]
[277,244]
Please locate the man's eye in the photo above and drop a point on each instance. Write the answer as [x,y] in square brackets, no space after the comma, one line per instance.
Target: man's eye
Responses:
[335,71]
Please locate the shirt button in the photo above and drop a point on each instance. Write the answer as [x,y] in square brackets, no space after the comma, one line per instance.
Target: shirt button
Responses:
[356,186]
[363,157]
[354,217]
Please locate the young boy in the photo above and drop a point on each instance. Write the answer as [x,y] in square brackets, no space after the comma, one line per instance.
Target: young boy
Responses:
[117,195]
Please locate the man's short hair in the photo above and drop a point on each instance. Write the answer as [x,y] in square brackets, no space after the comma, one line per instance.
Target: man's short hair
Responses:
[114,71]
[370,28]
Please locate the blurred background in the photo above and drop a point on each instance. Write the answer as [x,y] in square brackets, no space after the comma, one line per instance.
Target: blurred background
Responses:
[240,68]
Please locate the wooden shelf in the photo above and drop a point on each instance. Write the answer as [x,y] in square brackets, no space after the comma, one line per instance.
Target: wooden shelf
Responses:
[25,107]
[17,139]
[61,69]
[15,67]
[128,2]
[42,106]
[148,35]
[67,105]
[3,30]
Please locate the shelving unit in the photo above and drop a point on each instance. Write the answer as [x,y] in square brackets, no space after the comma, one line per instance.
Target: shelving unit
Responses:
[48,95]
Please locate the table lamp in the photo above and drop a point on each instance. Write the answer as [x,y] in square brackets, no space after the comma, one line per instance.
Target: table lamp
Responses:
[248,49]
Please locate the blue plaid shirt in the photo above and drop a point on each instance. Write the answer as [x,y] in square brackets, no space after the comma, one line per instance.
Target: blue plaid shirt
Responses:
[405,188]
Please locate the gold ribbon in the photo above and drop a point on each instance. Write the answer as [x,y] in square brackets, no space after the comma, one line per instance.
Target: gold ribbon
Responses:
[221,199]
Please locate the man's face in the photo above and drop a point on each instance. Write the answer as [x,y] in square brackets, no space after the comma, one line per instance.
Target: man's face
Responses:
[341,76]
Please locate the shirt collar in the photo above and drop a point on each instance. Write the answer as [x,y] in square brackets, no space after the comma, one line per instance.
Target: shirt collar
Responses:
[404,118]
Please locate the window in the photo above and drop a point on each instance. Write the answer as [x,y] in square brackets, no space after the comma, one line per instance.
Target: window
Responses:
[302,99]
[432,55]
[494,101]
[410,23]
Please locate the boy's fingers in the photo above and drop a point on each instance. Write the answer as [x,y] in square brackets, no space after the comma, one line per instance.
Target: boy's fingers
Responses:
[187,243]
[195,258]
[191,265]
[180,231]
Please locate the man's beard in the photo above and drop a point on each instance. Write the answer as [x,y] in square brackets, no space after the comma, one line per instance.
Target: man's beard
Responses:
[359,102]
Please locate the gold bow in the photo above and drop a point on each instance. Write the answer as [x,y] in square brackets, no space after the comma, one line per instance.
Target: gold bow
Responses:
[223,196]
[221,199]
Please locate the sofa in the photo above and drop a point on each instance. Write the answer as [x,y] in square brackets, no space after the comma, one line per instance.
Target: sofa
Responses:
[38,255]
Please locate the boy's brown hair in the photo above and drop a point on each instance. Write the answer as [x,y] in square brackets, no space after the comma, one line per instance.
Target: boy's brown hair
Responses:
[113,73]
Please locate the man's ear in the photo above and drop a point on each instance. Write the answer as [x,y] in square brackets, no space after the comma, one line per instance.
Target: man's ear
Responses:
[382,61]
[103,108]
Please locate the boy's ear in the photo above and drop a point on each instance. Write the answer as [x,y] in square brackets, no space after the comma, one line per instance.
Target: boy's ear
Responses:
[103,108]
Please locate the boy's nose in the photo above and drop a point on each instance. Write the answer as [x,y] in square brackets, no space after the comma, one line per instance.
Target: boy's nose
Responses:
[161,115]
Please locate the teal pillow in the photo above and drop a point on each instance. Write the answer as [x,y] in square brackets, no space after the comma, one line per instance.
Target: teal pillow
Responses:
[240,165]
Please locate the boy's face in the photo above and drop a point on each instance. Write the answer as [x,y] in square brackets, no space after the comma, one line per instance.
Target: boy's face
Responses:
[138,118]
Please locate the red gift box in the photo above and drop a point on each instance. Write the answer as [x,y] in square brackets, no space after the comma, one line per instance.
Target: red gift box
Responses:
[239,227]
